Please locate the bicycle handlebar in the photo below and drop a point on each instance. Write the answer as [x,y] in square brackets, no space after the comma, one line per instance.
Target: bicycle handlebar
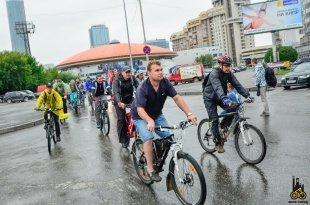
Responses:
[49,109]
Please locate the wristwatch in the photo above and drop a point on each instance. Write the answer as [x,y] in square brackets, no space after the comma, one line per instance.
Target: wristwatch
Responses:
[189,114]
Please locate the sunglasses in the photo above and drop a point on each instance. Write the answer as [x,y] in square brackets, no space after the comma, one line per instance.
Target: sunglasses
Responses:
[128,71]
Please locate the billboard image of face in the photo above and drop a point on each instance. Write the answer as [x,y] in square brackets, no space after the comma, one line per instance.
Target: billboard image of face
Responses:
[272,16]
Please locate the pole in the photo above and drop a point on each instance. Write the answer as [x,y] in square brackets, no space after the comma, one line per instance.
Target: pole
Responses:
[130,56]
[146,55]
[274,47]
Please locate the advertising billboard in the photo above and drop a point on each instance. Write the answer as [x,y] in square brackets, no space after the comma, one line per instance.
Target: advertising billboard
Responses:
[272,16]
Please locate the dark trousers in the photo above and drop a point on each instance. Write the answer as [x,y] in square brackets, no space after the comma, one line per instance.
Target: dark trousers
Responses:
[121,125]
[56,122]
[211,107]
[64,101]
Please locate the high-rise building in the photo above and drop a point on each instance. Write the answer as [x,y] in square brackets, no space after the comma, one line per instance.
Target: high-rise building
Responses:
[163,43]
[99,35]
[219,26]
[16,13]
[303,48]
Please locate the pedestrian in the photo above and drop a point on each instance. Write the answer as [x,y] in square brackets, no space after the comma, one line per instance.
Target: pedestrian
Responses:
[261,85]
[123,90]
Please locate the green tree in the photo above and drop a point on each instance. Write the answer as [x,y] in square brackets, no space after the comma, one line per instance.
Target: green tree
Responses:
[206,60]
[53,73]
[286,53]
[18,71]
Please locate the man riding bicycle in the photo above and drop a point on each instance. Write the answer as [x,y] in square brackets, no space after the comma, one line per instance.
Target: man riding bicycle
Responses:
[147,108]
[88,84]
[74,89]
[100,90]
[81,89]
[64,90]
[51,99]
[215,94]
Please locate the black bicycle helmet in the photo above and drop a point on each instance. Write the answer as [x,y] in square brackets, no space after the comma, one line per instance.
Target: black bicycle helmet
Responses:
[224,59]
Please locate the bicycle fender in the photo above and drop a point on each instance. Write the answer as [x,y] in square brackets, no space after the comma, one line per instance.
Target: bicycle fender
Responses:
[169,182]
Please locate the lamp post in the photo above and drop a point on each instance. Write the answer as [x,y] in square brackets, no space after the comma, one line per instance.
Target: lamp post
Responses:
[130,56]
[146,55]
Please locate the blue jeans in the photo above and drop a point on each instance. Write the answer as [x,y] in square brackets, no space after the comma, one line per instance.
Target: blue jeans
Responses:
[145,135]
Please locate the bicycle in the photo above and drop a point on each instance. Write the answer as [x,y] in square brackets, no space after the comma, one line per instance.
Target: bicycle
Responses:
[243,132]
[91,100]
[49,127]
[185,176]
[131,129]
[104,117]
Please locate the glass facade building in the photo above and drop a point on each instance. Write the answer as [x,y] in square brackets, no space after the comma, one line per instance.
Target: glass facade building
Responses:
[163,43]
[99,35]
[16,13]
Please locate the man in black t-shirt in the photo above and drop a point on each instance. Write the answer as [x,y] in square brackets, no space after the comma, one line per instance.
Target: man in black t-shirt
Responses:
[146,110]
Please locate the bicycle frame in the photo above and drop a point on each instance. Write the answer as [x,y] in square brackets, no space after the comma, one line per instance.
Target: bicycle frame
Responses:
[129,122]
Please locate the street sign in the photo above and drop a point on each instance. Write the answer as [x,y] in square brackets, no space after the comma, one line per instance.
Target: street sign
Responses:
[146,50]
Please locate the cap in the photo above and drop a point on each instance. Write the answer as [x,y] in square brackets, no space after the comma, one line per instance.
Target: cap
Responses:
[138,72]
[49,85]
[125,68]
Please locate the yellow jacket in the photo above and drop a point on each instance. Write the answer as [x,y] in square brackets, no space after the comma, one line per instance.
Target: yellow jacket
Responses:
[53,100]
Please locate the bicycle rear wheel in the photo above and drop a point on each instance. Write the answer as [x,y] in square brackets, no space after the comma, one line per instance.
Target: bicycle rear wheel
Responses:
[251,146]
[105,123]
[191,188]
[139,162]
[53,133]
[205,136]
[48,137]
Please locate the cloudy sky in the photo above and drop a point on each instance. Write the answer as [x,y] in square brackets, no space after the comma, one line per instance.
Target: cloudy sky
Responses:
[62,26]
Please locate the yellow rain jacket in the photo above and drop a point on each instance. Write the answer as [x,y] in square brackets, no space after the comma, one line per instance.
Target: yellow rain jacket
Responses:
[53,100]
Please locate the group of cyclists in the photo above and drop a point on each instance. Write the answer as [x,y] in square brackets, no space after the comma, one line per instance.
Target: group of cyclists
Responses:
[147,98]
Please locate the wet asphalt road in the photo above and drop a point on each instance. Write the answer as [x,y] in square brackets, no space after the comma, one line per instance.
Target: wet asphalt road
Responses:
[88,168]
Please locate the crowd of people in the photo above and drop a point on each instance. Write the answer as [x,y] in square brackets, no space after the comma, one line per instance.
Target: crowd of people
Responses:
[147,98]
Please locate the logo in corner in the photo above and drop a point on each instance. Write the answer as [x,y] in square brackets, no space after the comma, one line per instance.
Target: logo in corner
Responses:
[298,190]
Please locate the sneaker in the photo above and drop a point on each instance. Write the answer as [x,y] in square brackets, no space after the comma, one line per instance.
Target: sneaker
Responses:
[45,126]
[265,114]
[220,149]
[98,125]
[125,145]
[155,176]
[58,138]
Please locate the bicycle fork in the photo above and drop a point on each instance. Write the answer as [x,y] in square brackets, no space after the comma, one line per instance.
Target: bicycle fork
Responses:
[246,136]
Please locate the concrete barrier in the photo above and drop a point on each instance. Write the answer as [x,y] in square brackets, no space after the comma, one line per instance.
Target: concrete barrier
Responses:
[21,126]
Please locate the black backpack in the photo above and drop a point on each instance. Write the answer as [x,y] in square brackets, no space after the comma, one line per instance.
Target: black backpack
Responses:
[205,81]
[271,78]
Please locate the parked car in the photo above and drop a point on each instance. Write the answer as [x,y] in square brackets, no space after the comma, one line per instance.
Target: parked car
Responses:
[235,69]
[15,96]
[31,95]
[299,76]
[242,67]
[1,98]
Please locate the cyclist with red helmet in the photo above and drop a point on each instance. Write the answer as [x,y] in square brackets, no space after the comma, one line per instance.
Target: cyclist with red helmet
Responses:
[215,94]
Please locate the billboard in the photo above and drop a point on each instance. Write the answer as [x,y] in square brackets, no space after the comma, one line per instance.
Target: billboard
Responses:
[272,16]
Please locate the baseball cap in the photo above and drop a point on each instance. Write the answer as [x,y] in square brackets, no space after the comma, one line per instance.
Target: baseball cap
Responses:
[126,68]
[138,72]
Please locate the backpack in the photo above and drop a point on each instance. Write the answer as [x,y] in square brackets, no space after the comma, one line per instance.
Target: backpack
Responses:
[205,81]
[45,97]
[271,79]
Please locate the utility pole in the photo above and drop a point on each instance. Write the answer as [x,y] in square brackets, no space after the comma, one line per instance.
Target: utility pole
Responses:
[23,28]
[146,55]
[130,56]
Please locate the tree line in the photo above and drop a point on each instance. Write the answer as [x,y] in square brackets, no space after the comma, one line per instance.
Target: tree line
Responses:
[19,71]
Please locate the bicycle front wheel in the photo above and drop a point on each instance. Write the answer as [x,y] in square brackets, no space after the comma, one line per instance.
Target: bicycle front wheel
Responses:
[189,183]
[105,123]
[251,144]
[48,137]
[205,136]
[139,162]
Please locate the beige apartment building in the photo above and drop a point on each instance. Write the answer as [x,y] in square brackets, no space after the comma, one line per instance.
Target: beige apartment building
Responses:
[219,26]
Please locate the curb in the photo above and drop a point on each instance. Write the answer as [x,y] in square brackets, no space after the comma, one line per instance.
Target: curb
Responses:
[21,126]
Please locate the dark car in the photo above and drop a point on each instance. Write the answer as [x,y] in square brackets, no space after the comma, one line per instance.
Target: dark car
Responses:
[31,95]
[15,96]
[300,76]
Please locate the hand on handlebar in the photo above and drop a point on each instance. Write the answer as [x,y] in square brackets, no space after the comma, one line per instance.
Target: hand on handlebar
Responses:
[227,102]
[121,105]
[250,99]
[192,119]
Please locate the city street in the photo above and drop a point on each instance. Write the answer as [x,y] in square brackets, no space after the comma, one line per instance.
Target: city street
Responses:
[88,168]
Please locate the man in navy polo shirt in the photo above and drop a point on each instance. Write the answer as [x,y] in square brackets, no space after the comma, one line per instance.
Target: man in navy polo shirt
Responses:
[146,110]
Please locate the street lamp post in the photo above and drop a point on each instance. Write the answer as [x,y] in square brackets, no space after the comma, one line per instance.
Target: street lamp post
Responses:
[130,56]
[146,55]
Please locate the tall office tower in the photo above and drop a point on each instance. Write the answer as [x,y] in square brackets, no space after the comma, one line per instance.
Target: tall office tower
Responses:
[16,14]
[236,40]
[99,35]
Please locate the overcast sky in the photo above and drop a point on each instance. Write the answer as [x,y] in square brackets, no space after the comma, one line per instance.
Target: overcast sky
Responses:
[62,25]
